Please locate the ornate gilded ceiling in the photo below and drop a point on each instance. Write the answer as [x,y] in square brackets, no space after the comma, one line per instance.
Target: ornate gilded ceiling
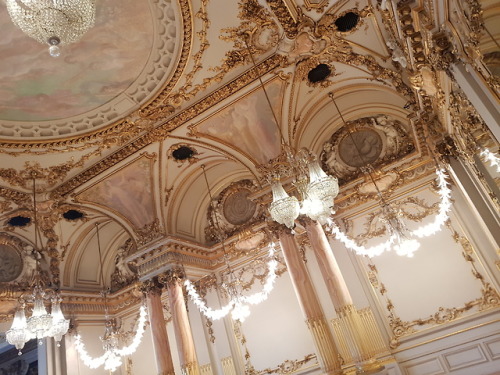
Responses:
[121,63]
[119,126]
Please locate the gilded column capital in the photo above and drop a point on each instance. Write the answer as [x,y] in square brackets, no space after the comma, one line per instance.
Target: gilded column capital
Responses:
[151,286]
[278,229]
[172,276]
[305,221]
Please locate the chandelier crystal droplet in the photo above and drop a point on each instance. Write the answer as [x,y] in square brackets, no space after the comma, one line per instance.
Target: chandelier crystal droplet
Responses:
[53,22]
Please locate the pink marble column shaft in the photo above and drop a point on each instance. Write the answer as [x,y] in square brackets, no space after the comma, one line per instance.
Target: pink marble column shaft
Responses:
[304,289]
[335,283]
[161,345]
[182,328]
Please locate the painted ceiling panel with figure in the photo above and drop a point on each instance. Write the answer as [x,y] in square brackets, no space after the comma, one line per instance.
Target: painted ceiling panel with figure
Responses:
[248,124]
[127,192]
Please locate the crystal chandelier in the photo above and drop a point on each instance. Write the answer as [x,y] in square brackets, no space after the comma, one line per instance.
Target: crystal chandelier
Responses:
[112,357]
[316,189]
[402,240]
[53,22]
[238,304]
[40,324]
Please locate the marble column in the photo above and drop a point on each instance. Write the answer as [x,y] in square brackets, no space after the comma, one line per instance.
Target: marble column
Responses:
[183,334]
[161,346]
[326,350]
[340,296]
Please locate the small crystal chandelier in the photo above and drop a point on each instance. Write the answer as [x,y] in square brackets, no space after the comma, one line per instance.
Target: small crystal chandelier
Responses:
[53,22]
[112,357]
[238,304]
[40,324]
[317,190]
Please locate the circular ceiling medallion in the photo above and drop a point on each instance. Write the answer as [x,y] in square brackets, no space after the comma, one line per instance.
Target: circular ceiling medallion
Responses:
[11,264]
[118,65]
[238,209]
[360,148]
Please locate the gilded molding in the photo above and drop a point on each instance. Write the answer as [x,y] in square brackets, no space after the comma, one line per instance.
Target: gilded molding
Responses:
[490,298]
[287,367]
[51,175]
[285,17]
[171,277]
[318,5]
[221,207]
[124,130]
[163,130]
[150,287]
[190,368]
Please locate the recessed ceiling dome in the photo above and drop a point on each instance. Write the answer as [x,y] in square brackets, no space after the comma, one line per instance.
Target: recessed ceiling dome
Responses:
[96,81]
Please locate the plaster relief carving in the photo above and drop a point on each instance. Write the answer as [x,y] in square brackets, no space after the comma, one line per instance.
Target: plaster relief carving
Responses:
[123,274]
[232,211]
[367,141]
[11,264]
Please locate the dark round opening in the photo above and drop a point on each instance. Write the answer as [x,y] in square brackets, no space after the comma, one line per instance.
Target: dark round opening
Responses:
[347,22]
[183,153]
[73,215]
[318,74]
[19,221]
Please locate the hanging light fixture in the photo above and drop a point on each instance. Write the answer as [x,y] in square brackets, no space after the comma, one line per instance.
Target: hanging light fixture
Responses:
[53,22]
[238,304]
[316,189]
[112,357]
[40,324]
[402,240]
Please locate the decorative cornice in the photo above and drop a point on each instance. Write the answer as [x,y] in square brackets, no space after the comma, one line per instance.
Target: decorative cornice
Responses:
[162,131]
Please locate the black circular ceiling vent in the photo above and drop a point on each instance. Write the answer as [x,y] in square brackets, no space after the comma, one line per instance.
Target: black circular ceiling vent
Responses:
[347,22]
[183,153]
[73,215]
[319,73]
[19,221]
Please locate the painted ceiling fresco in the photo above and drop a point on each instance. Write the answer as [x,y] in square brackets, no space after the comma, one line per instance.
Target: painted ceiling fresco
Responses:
[127,192]
[248,124]
[37,87]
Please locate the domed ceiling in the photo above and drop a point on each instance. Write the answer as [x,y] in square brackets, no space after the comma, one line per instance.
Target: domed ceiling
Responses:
[108,73]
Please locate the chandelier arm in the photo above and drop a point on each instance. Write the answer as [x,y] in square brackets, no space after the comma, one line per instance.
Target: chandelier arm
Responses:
[89,361]
[424,231]
[361,250]
[494,160]
[444,208]
[141,327]
[202,306]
